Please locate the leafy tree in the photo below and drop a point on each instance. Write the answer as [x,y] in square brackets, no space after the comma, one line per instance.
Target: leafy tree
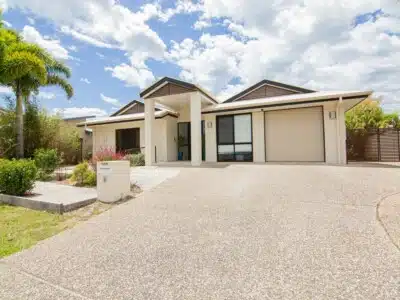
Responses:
[41,130]
[32,128]
[369,114]
[7,130]
[25,68]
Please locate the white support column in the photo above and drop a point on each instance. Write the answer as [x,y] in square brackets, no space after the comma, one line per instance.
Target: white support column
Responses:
[195,124]
[211,137]
[149,120]
[258,137]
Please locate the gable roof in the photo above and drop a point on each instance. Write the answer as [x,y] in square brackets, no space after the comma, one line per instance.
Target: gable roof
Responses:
[287,100]
[125,107]
[125,118]
[271,83]
[128,106]
[168,80]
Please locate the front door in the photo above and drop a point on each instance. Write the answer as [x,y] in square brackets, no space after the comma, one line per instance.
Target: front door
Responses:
[184,141]
[184,137]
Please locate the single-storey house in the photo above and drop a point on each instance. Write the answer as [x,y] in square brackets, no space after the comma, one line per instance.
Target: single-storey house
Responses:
[267,122]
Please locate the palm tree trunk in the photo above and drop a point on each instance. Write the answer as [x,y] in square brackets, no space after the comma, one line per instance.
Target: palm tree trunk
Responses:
[19,123]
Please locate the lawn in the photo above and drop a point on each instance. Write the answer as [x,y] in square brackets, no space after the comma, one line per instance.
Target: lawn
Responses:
[21,228]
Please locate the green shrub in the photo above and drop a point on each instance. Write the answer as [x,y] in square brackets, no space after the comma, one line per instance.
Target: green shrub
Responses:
[17,177]
[46,161]
[83,175]
[136,160]
[90,179]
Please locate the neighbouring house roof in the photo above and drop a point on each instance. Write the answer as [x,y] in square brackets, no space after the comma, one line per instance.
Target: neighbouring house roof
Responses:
[188,87]
[286,100]
[264,82]
[125,118]
[132,104]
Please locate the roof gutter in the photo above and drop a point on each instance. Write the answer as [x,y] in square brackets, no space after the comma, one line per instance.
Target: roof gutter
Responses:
[261,106]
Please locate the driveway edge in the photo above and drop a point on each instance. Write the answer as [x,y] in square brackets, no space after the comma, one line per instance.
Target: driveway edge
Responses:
[382,222]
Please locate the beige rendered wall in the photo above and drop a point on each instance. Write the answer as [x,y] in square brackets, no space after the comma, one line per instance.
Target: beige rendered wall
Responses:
[258,136]
[166,130]
[184,114]
[332,146]
[171,134]
[211,137]
[335,149]
[104,136]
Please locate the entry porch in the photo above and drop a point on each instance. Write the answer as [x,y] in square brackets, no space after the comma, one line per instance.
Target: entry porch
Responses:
[186,133]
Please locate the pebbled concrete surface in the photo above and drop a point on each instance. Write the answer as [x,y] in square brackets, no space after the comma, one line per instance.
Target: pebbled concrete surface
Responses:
[149,177]
[389,216]
[243,232]
[51,196]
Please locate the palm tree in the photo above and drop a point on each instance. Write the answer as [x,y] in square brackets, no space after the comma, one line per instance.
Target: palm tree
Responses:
[25,68]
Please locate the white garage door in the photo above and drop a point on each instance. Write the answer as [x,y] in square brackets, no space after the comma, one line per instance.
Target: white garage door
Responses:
[295,135]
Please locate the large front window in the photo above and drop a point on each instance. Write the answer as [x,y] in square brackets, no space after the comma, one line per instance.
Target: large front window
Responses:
[128,140]
[234,138]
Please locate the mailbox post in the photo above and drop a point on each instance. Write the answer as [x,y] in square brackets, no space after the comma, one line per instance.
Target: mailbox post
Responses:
[113,180]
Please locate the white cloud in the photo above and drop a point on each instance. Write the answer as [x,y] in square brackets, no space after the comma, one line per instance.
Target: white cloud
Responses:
[73,112]
[86,38]
[308,43]
[102,56]
[73,48]
[110,100]
[134,74]
[207,59]
[30,34]
[6,90]
[106,24]
[103,23]
[3,5]
[31,20]
[230,90]
[46,95]
[315,45]
[85,80]
[201,24]
[8,24]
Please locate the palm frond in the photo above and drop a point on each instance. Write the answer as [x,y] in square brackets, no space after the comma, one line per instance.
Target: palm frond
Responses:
[61,82]
[9,36]
[57,67]
[18,64]
[30,48]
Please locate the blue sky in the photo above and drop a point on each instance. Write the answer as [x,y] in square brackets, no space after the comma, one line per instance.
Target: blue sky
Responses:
[116,48]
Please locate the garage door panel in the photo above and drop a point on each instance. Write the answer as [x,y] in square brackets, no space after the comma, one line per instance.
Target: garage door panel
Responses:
[295,135]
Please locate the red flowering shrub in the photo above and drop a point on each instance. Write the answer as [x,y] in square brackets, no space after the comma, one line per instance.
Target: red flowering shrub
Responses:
[106,154]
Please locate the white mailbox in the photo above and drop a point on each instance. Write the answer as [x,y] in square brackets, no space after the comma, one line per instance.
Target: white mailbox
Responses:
[113,180]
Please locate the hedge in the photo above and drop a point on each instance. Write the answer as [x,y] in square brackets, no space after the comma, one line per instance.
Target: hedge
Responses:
[17,177]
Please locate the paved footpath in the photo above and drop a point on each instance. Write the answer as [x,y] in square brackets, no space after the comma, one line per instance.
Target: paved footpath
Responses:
[241,232]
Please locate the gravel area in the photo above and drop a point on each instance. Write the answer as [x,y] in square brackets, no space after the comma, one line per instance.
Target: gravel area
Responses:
[241,232]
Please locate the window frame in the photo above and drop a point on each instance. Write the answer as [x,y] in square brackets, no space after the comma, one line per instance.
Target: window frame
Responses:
[234,142]
[136,130]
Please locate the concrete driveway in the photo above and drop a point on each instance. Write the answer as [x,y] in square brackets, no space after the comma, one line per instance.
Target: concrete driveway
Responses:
[241,232]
